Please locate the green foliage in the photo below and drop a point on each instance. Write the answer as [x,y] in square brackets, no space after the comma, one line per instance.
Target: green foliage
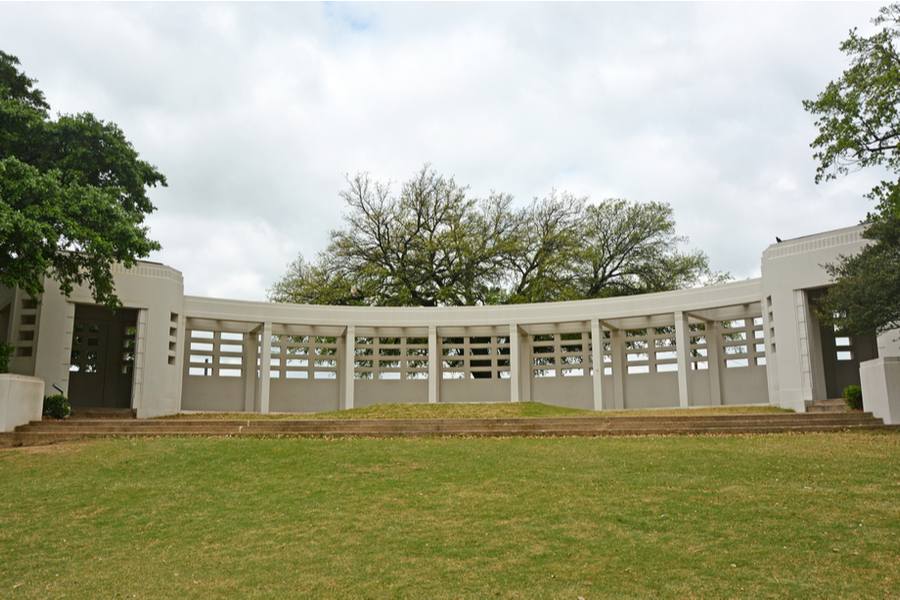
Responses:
[865,298]
[57,406]
[853,397]
[858,117]
[434,246]
[72,194]
[6,352]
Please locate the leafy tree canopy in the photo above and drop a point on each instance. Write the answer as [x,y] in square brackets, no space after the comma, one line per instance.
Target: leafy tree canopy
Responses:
[858,117]
[72,194]
[433,245]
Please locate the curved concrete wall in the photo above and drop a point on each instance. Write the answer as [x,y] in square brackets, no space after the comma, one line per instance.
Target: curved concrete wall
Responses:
[745,342]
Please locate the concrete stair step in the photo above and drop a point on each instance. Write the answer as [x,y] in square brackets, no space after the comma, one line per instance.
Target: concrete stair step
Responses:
[104,413]
[42,432]
[827,406]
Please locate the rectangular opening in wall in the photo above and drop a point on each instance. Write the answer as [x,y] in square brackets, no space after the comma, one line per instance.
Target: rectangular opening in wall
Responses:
[733,363]
[845,355]
[573,372]
[545,372]
[760,361]
[638,369]
[208,335]
[735,349]
[666,367]
[700,365]
[841,341]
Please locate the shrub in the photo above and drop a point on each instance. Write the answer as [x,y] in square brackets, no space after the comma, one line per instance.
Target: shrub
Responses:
[853,397]
[5,354]
[57,406]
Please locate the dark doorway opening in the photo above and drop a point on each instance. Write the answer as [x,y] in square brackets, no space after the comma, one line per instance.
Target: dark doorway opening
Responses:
[840,353]
[101,369]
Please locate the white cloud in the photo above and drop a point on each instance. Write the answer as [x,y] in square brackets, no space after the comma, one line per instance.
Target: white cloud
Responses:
[255,111]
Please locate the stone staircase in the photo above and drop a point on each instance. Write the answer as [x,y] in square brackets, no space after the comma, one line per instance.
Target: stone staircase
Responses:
[50,431]
[834,405]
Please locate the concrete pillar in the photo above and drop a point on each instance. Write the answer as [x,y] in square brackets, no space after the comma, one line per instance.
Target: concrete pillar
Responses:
[597,359]
[617,347]
[434,366]
[348,368]
[515,366]
[713,362]
[251,365]
[265,360]
[140,358]
[683,352]
[526,365]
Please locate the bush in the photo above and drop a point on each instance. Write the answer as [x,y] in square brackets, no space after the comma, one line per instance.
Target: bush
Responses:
[5,354]
[853,397]
[57,406]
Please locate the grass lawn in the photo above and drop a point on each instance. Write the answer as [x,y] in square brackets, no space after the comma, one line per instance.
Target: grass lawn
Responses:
[755,516]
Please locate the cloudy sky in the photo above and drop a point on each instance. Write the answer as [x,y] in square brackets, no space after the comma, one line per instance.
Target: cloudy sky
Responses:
[255,112]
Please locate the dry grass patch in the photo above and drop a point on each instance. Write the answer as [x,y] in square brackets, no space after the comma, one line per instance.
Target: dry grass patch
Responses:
[505,410]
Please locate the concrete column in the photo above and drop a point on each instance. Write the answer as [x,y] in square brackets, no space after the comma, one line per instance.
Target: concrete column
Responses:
[140,358]
[252,365]
[617,347]
[515,367]
[526,365]
[713,362]
[265,360]
[597,358]
[683,352]
[434,366]
[348,368]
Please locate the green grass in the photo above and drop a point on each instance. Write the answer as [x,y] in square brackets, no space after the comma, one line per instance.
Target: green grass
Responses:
[761,516]
[499,410]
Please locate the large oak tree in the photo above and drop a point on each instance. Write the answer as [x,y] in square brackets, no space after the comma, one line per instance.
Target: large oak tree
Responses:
[858,116]
[73,194]
[434,245]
